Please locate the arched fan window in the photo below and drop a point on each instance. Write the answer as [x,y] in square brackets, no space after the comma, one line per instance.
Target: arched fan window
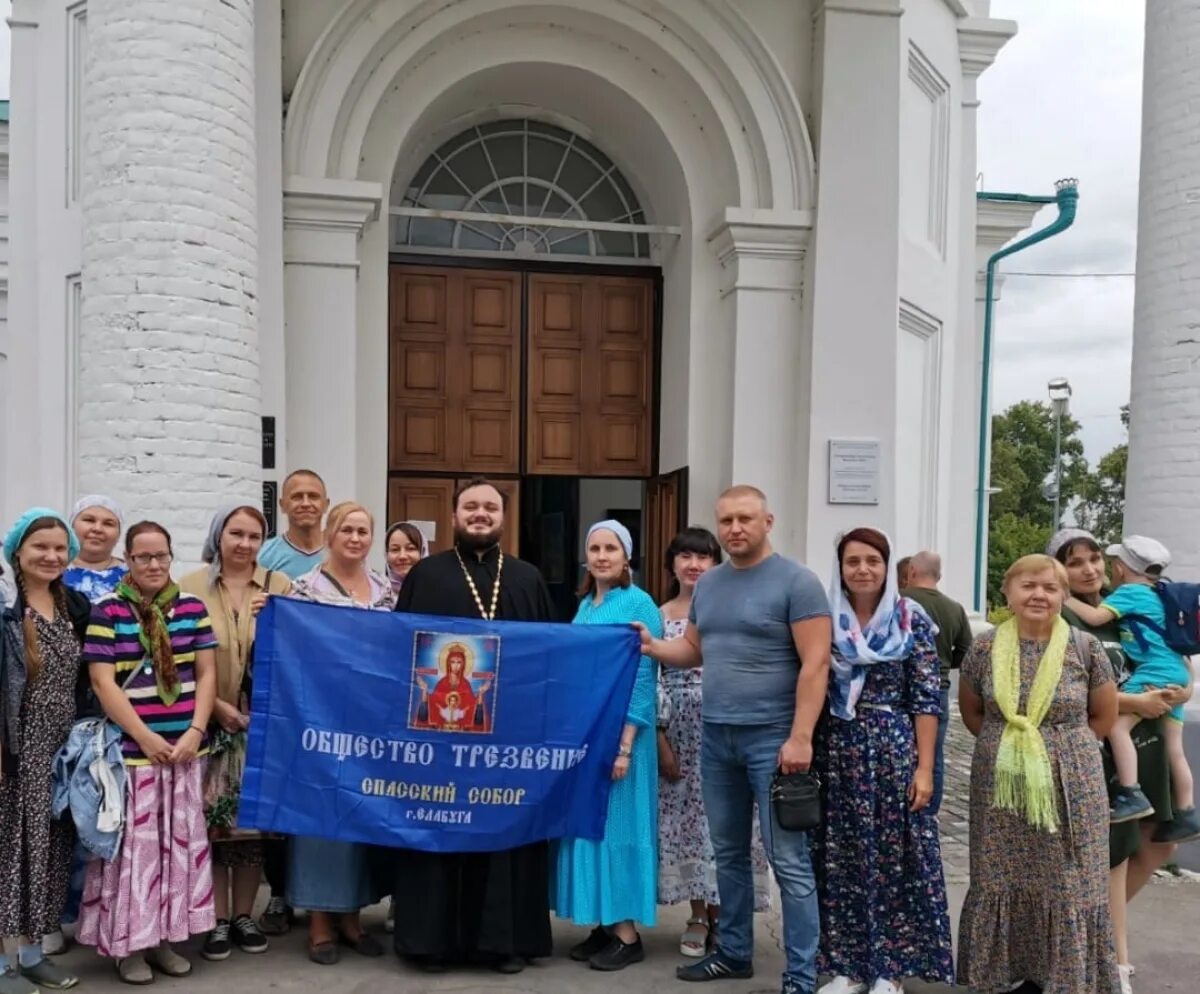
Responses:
[511,174]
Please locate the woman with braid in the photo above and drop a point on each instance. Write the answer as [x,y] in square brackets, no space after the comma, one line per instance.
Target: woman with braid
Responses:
[40,637]
[149,649]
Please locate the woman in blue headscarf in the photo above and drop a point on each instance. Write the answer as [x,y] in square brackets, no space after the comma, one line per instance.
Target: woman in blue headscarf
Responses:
[41,638]
[613,884]
[877,855]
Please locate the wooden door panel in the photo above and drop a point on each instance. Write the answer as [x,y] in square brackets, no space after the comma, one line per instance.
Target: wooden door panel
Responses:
[417,499]
[455,346]
[590,379]
[665,503]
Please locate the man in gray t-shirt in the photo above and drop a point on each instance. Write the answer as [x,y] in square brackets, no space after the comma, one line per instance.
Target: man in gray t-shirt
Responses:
[760,625]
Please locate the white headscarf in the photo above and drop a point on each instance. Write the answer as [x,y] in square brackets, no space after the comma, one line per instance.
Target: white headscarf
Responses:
[98,500]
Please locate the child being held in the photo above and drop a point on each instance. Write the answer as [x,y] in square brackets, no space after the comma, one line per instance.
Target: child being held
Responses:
[1138,563]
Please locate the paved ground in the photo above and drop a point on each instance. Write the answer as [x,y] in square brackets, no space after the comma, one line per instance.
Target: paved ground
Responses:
[1164,929]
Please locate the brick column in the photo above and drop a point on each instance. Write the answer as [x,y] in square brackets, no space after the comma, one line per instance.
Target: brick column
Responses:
[168,350]
[1163,483]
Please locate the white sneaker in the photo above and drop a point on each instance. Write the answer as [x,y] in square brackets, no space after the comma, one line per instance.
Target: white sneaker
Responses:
[882,986]
[1126,971]
[843,985]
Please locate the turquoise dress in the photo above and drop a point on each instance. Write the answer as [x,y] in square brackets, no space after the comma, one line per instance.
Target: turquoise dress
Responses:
[616,879]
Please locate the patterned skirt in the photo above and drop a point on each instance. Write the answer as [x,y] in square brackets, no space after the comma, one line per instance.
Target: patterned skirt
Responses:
[159,887]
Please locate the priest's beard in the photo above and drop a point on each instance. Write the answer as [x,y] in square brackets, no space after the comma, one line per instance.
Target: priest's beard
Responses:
[477,542]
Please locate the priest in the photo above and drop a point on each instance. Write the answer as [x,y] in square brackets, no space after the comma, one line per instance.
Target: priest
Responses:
[487,908]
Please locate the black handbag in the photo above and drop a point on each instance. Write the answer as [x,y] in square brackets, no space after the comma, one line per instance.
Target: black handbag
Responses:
[796,800]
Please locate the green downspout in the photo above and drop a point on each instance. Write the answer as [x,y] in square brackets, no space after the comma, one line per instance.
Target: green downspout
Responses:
[1067,197]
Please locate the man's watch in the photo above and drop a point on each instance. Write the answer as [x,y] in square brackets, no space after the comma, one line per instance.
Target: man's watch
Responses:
[625,751]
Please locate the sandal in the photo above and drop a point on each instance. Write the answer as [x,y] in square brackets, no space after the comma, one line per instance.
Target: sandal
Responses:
[694,942]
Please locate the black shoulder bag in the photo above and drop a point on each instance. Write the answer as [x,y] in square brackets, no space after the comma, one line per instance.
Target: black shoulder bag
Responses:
[796,800]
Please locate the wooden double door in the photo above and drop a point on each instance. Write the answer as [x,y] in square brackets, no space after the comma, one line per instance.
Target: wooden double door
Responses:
[510,374]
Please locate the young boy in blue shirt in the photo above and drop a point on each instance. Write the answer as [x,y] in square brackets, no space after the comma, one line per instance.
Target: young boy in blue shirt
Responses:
[1138,563]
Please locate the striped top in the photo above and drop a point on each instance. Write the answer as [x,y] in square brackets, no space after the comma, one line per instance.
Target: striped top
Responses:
[112,637]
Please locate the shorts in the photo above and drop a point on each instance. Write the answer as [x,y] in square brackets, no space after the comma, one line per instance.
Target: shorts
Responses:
[1149,680]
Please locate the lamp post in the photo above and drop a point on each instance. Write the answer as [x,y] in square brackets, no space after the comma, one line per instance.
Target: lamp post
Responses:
[1060,396]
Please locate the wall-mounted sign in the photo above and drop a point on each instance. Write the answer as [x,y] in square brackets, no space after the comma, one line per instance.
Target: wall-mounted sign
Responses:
[854,471]
[268,442]
[270,505]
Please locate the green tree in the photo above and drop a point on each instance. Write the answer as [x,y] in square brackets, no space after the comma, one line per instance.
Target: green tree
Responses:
[1023,462]
[1101,507]
[1021,516]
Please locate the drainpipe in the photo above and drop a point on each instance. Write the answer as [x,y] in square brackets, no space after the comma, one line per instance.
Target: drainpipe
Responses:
[1066,197]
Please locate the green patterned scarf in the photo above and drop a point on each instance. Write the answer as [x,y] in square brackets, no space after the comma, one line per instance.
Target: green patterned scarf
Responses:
[154,634]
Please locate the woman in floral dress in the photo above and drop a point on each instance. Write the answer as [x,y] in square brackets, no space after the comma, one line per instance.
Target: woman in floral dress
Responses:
[877,854]
[41,635]
[687,869]
[331,879]
[1038,699]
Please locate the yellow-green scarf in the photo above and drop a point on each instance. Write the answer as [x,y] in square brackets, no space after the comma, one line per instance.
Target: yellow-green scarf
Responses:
[1024,777]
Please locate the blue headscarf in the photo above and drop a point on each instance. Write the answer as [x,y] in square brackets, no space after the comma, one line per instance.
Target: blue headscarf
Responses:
[887,637]
[617,529]
[16,534]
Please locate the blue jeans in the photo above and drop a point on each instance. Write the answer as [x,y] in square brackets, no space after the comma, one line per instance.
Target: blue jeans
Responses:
[939,757]
[737,763]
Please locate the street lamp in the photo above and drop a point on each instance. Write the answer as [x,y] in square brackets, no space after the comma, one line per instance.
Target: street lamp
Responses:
[1060,397]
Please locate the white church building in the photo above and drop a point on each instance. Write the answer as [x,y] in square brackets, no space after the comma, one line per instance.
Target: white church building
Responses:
[618,254]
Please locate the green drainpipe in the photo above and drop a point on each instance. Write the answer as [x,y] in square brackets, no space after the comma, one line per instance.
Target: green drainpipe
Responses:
[1067,197]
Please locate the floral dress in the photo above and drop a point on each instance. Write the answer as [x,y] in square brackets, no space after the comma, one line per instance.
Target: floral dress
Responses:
[35,851]
[1037,907]
[687,869]
[879,865]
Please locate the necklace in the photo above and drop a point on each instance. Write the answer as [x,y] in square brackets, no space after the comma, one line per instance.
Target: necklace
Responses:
[489,615]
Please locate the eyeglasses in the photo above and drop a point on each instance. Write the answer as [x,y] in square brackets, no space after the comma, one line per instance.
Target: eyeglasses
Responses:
[146,558]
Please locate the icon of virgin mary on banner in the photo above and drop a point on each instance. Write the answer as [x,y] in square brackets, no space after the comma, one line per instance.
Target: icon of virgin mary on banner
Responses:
[454,682]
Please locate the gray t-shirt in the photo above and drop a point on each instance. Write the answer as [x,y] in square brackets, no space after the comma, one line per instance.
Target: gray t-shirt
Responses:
[744,617]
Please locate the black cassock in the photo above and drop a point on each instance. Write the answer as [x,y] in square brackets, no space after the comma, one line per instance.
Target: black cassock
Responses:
[458,906]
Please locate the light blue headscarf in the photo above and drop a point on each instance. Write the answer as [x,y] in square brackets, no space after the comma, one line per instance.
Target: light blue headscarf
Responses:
[617,529]
[16,534]
[886,638]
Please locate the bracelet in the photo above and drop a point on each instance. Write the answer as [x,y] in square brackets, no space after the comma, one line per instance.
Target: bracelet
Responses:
[197,728]
[625,752]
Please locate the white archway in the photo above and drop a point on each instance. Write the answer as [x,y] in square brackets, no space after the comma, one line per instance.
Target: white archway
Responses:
[694,110]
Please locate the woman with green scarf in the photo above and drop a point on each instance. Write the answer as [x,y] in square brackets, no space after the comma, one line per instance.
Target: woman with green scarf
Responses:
[149,650]
[1038,697]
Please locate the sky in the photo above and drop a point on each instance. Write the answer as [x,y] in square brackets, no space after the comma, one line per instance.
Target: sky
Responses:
[1062,99]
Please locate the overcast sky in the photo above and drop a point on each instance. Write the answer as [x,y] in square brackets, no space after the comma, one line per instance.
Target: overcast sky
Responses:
[1063,99]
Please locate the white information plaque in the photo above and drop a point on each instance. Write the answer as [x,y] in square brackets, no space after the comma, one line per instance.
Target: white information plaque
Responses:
[853,471]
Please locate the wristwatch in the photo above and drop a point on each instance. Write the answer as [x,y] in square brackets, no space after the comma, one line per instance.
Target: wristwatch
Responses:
[625,751]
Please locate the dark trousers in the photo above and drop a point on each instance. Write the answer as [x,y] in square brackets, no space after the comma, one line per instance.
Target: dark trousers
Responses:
[275,865]
[939,758]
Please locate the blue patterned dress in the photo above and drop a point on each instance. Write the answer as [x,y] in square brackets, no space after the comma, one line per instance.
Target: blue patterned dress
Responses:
[878,865]
[615,879]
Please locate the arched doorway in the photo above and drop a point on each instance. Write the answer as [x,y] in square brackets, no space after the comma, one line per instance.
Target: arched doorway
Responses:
[523,331]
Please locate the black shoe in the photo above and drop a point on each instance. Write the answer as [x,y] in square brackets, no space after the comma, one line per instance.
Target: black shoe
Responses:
[618,955]
[217,945]
[247,936]
[276,918]
[508,964]
[1184,827]
[428,964]
[364,945]
[718,966]
[597,942]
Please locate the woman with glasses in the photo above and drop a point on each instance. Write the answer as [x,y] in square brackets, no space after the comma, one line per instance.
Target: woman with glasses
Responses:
[149,649]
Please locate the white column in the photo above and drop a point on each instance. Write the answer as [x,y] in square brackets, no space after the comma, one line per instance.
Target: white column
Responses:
[1162,490]
[762,257]
[169,396]
[851,389]
[323,221]
[979,42]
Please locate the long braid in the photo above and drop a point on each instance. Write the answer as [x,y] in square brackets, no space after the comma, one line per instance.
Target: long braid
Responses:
[33,647]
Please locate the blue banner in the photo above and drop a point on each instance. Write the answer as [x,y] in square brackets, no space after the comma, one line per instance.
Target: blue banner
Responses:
[442,734]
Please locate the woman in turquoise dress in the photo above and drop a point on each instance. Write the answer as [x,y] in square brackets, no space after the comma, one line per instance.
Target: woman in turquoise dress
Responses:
[613,883]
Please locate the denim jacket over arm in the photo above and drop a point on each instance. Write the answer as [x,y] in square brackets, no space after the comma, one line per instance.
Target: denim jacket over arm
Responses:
[89,780]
